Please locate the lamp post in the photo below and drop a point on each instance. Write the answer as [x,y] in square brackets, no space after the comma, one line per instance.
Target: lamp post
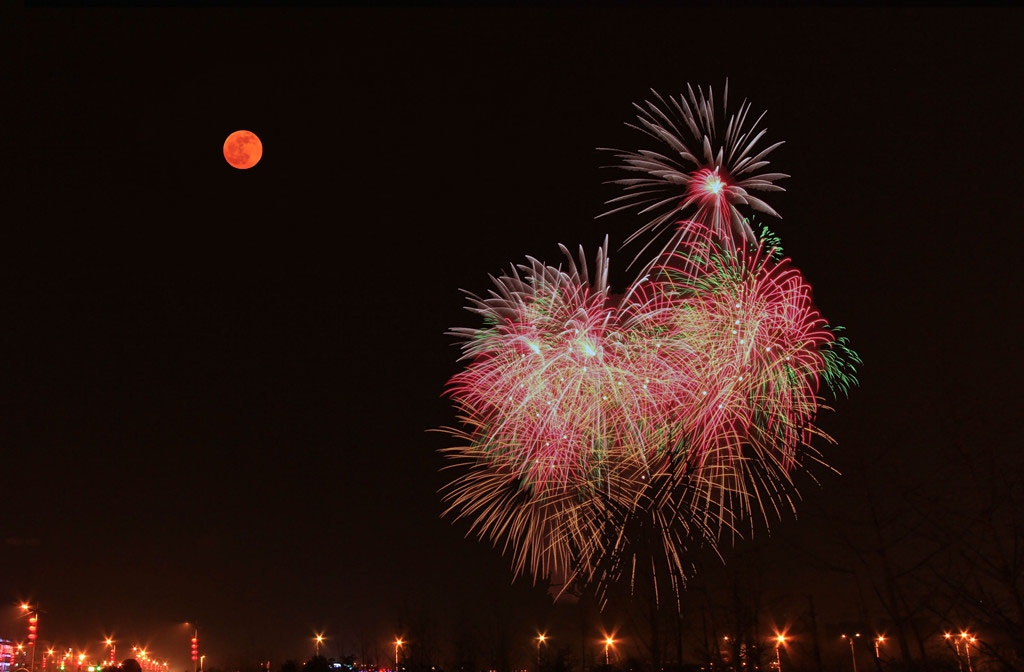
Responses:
[967,647]
[608,643]
[201,662]
[956,647]
[398,643]
[319,640]
[113,649]
[33,628]
[541,638]
[853,654]
[195,647]
[780,641]
[878,640]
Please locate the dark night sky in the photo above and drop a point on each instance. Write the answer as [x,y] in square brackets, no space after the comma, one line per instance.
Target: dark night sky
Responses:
[219,386]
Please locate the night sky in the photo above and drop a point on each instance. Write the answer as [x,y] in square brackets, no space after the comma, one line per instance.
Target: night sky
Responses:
[220,384]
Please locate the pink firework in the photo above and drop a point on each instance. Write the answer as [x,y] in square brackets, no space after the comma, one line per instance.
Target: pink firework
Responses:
[568,404]
[600,433]
[702,168]
[758,367]
[689,399]
[566,378]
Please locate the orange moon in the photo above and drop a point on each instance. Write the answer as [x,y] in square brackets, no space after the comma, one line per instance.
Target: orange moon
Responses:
[243,149]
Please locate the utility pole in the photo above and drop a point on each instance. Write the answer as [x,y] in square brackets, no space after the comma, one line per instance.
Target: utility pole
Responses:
[814,632]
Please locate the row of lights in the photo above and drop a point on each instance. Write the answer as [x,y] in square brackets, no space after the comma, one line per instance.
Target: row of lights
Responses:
[149,663]
[780,641]
[967,638]
[609,642]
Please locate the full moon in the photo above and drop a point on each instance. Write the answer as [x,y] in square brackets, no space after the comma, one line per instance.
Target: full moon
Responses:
[243,149]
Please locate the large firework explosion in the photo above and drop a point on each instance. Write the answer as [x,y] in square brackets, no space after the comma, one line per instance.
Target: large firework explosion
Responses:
[599,430]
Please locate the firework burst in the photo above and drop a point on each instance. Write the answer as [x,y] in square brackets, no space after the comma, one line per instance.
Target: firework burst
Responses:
[603,433]
[682,404]
[702,168]
[759,367]
[566,402]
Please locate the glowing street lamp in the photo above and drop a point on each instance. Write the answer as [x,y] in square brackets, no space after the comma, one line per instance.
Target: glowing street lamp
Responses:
[33,631]
[541,638]
[194,651]
[113,649]
[853,654]
[200,662]
[956,646]
[780,641]
[319,640]
[398,643]
[878,641]
[968,639]
[609,642]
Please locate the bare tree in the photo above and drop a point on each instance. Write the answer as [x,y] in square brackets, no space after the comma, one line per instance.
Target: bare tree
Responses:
[981,575]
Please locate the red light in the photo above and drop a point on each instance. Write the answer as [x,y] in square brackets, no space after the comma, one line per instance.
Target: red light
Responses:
[33,619]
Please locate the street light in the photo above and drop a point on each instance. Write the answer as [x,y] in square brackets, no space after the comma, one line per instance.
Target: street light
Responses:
[194,652]
[541,638]
[113,649]
[319,641]
[398,643]
[878,640]
[853,655]
[33,628]
[956,646]
[609,642]
[780,641]
[201,662]
[964,635]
